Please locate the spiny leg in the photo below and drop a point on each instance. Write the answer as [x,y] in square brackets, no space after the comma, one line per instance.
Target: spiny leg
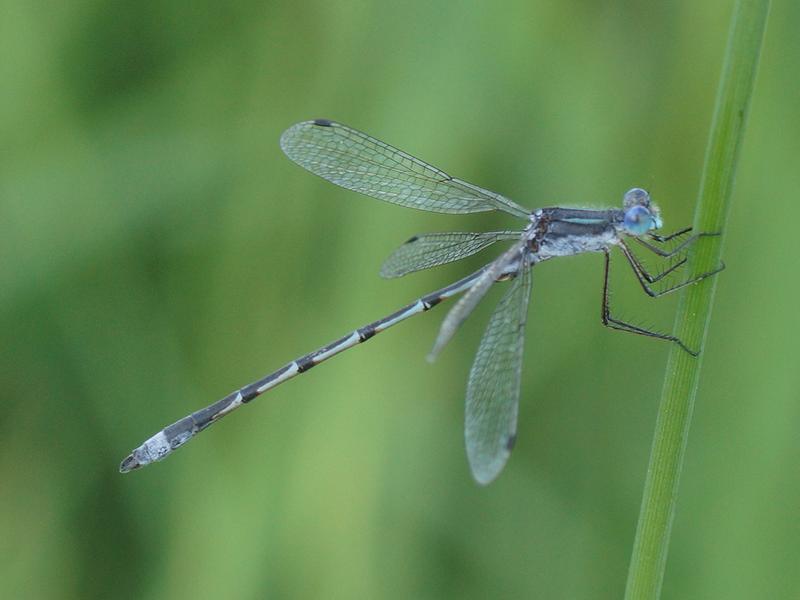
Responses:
[613,323]
[641,272]
[667,253]
[666,238]
[645,278]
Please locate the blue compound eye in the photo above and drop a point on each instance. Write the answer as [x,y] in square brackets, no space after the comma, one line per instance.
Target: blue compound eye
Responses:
[638,220]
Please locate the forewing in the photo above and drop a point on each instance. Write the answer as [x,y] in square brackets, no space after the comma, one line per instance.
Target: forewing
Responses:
[490,423]
[433,249]
[361,163]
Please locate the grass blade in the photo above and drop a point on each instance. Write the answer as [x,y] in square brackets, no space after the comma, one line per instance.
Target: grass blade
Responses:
[651,544]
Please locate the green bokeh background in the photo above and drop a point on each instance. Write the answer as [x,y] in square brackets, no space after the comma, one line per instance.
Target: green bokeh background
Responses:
[158,251]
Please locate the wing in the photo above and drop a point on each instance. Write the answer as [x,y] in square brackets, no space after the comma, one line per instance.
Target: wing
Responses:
[490,423]
[434,249]
[499,269]
[363,164]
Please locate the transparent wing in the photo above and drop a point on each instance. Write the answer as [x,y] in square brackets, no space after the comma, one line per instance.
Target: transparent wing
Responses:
[361,163]
[433,249]
[490,423]
[506,264]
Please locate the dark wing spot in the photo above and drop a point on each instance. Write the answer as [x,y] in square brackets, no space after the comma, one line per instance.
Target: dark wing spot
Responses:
[323,122]
[413,238]
[512,439]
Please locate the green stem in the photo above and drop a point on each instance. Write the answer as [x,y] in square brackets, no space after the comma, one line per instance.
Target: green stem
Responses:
[651,544]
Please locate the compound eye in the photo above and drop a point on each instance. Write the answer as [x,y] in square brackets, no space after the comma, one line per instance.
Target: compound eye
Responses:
[634,197]
[638,220]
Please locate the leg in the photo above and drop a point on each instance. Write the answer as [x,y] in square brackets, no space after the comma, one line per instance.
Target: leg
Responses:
[640,270]
[644,277]
[613,323]
[666,238]
[676,249]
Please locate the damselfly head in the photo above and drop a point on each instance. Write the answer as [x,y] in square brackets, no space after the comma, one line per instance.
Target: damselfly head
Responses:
[640,214]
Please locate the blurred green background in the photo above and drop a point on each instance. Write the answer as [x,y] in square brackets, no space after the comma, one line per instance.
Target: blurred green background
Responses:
[158,251]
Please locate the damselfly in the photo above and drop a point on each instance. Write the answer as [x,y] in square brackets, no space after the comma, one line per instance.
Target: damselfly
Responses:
[361,163]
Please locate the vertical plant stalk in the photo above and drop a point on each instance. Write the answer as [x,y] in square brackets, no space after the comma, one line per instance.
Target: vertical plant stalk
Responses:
[648,560]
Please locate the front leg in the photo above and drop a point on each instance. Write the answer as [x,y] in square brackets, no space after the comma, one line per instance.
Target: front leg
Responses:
[666,238]
[667,253]
[644,277]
